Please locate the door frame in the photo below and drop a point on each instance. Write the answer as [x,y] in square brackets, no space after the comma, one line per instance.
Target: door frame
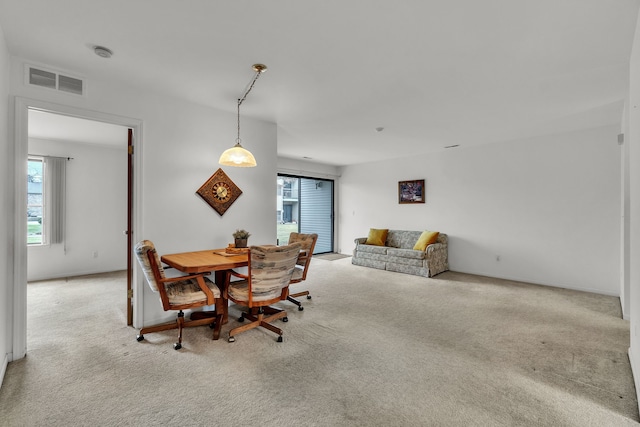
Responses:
[334,200]
[21,142]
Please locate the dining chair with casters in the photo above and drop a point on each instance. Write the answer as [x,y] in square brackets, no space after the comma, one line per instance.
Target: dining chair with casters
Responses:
[267,281]
[178,293]
[308,242]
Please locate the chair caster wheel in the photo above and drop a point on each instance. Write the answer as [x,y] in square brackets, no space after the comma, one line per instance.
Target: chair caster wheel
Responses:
[177,346]
[140,338]
[285,319]
[241,319]
[300,308]
[280,338]
[231,339]
[308,296]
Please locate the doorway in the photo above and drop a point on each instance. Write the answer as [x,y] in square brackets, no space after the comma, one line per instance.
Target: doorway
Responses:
[80,199]
[305,205]
[23,107]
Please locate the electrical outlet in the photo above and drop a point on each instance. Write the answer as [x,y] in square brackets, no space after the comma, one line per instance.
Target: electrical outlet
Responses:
[95,254]
[498,258]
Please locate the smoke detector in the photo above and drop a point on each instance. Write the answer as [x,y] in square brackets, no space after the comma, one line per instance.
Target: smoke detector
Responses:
[102,52]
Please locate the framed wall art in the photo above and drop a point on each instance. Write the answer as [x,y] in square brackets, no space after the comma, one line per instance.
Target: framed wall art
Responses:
[219,192]
[411,191]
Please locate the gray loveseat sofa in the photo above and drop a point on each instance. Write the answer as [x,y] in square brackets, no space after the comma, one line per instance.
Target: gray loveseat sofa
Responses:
[398,254]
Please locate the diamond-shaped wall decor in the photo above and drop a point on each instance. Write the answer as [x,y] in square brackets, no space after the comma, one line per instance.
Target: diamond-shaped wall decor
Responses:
[219,191]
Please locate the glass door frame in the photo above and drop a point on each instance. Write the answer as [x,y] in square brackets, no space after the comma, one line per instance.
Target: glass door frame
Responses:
[297,216]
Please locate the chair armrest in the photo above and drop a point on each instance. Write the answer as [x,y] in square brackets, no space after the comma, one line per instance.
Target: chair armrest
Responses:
[179,278]
[236,274]
[302,257]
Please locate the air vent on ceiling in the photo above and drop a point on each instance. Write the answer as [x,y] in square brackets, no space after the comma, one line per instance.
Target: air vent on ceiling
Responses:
[53,80]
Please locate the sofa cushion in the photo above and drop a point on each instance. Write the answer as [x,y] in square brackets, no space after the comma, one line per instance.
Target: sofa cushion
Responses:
[406,253]
[373,249]
[404,239]
[426,238]
[369,255]
[377,237]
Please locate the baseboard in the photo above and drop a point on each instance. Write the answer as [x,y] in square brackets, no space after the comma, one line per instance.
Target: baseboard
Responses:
[3,369]
[552,285]
[635,372]
[70,274]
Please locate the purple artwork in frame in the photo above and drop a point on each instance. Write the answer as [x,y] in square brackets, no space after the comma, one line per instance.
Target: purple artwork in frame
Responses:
[411,191]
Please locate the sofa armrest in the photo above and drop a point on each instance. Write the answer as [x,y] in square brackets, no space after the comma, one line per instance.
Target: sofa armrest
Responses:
[437,258]
[435,248]
[360,240]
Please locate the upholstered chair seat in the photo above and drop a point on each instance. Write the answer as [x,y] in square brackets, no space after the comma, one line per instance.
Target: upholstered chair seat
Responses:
[298,274]
[239,291]
[189,292]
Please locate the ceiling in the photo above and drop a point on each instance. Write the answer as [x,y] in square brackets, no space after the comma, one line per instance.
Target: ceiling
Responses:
[432,73]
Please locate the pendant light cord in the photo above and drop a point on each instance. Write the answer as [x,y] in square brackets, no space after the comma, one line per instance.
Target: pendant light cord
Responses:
[259,70]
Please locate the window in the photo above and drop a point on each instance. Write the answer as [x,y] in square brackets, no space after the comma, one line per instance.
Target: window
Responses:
[35,201]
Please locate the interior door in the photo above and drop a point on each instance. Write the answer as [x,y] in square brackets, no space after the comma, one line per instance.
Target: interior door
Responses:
[129,231]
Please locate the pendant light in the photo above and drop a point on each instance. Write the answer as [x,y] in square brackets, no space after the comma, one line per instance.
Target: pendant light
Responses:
[237,155]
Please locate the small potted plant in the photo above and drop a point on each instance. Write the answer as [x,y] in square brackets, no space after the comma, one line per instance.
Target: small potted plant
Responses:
[241,237]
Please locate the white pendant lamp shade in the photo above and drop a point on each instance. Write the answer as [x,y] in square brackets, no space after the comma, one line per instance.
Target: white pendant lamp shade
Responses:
[238,157]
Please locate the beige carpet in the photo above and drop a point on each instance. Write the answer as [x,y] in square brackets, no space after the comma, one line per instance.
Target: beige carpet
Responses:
[372,348]
[331,256]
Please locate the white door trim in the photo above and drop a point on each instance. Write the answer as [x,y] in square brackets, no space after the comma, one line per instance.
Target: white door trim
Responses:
[21,125]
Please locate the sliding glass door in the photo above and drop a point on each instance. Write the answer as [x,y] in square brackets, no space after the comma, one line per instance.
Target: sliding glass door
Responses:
[305,205]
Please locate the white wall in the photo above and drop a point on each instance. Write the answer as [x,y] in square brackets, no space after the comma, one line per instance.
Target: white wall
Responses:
[633,139]
[180,145]
[625,195]
[6,213]
[307,168]
[96,212]
[549,207]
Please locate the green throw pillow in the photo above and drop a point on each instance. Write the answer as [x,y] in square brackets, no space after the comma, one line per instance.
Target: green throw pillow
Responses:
[377,237]
[426,238]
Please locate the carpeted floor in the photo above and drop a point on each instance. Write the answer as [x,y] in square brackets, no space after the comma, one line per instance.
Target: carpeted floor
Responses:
[372,348]
[331,256]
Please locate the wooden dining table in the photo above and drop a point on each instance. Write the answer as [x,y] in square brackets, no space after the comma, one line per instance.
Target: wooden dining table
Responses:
[217,261]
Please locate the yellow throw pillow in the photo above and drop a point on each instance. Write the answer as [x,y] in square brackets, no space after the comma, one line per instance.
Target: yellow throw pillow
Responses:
[377,237]
[426,238]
